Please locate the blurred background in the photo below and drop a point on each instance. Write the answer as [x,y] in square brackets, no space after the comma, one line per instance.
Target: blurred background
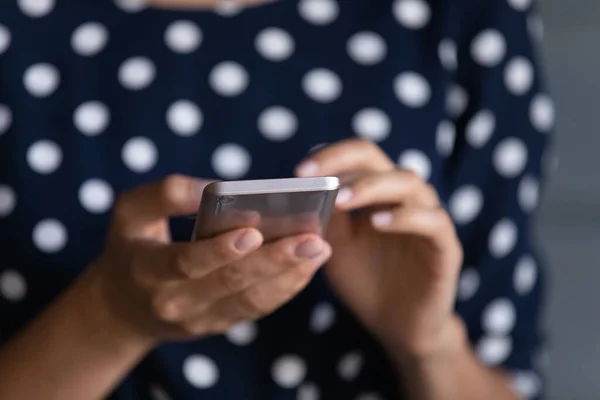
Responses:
[569,221]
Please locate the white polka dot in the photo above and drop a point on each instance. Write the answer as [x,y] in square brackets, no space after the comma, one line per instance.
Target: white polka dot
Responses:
[480,128]
[468,284]
[322,85]
[488,48]
[228,8]
[12,286]
[308,391]
[319,12]
[8,200]
[275,44]
[243,333]
[526,384]
[499,317]
[372,124]
[367,48]
[412,14]
[448,54]
[465,204]
[503,238]
[445,138]
[520,5]
[89,39]
[322,318]
[277,124]
[36,8]
[50,236]
[541,113]
[417,161]
[350,365]
[231,161]
[535,27]
[5,118]
[183,37]
[131,6]
[518,76]
[412,89]
[184,118]
[5,38]
[91,118]
[137,73]
[457,101]
[528,193]
[200,371]
[44,157]
[158,393]
[139,154]
[288,371]
[228,79]
[510,157]
[41,80]
[494,350]
[525,275]
[96,196]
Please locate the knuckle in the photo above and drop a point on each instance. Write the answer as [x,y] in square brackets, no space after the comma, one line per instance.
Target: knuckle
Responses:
[181,264]
[221,250]
[121,209]
[194,328]
[411,176]
[234,278]
[253,305]
[164,309]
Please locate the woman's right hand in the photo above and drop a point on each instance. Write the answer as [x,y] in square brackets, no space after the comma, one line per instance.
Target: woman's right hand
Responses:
[171,291]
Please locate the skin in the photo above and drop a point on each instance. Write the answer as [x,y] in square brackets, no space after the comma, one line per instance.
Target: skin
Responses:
[396,266]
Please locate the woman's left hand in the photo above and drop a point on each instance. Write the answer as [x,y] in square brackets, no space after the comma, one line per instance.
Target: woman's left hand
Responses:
[396,262]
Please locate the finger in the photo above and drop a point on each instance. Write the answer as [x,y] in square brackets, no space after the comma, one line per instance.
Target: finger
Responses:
[395,187]
[347,156]
[433,224]
[262,299]
[225,222]
[140,207]
[195,260]
[289,254]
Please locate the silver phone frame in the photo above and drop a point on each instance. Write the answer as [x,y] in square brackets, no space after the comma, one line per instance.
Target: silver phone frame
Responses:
[266,186]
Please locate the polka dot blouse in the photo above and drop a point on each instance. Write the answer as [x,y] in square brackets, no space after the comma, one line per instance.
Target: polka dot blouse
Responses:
[98,96]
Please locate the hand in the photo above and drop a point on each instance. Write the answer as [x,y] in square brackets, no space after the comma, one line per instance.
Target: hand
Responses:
[396,263]
[164,290]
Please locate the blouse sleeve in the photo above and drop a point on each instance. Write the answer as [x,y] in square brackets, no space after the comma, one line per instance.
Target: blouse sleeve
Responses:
[493,183]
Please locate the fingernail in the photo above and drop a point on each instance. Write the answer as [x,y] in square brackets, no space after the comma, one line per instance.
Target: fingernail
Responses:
[309,249]
[247,242]
[320,259]
[344,195]
[309,168]
[382,218]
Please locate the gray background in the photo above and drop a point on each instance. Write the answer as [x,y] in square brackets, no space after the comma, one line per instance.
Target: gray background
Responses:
[569,221]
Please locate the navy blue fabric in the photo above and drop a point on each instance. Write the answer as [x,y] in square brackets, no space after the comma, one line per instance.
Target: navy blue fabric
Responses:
[474,123]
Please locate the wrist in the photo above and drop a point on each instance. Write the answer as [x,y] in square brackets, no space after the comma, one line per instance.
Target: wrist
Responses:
[100,323]
[447,345]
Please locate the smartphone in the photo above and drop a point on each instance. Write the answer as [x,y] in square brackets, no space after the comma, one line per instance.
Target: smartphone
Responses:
[276,207]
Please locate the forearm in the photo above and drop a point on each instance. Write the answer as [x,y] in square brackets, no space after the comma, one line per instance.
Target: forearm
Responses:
[73,350]
[453,375]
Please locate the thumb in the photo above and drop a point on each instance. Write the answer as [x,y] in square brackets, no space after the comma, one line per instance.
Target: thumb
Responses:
[145,205]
